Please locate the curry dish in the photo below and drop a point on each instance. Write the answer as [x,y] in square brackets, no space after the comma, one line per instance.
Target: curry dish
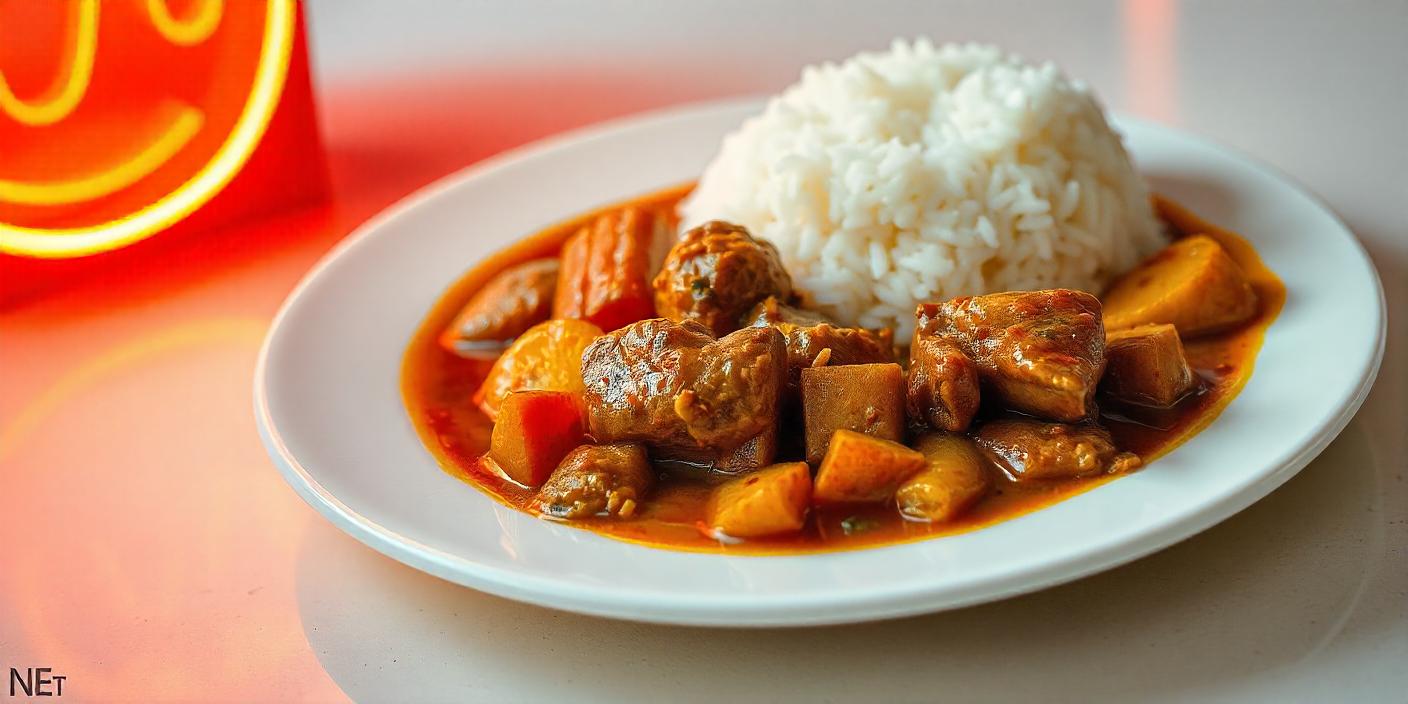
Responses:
[672,391]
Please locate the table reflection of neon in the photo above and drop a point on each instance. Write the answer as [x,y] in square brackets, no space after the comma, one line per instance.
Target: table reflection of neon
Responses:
[62,98]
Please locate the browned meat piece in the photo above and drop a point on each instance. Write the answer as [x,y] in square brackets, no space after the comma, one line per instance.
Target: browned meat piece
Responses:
[1146,365]
[1039,352]
[680,391]
[809,335]
[515,300]
[715,273]
[943,385]
[865,398]
[1192,284]
[954,477]
[1029,449]
[597,480]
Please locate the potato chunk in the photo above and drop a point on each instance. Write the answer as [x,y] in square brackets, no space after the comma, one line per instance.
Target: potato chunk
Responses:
[859,468]
[547,357]
[535,430]
[866,398]
[1192,284]
[594,480]
[1029,449]
[1146,365]
[954,477]
[770,501]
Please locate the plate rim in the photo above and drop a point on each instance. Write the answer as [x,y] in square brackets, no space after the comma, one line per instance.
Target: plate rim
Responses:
[874,604]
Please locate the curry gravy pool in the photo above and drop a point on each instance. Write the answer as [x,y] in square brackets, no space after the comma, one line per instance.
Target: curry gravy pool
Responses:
[438,385]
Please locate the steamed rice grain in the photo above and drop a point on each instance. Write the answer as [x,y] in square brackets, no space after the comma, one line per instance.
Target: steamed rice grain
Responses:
[924,173]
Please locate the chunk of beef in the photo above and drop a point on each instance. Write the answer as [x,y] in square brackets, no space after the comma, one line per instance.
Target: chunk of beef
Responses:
[715,273]
[597,480]
[814,341]
[1192,284]
[942,385]
[518,298]
[1030,449]
[680,391]
[1039,352]
[1146,365]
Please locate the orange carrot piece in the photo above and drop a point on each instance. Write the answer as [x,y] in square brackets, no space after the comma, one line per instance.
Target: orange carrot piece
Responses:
[535,430]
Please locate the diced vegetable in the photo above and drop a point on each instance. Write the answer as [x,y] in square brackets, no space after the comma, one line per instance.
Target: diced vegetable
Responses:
[607,268]
[954,477]
[752,455]
[595,480]
[770,501]
[859,468]
[1192,284]
[548,357]
[866,398]
[535,430]
[1146,365]
[515,300]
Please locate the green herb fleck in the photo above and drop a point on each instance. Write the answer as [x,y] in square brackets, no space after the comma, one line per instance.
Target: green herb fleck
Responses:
[700,288]
[855,525]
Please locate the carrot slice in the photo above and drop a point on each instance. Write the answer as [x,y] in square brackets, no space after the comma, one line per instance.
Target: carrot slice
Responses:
[607,267]
[536,429]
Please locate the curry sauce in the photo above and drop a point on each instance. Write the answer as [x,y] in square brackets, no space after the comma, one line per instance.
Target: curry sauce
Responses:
[437,386]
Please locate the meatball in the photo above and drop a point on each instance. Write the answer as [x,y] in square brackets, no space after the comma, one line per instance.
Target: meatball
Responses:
[715,273]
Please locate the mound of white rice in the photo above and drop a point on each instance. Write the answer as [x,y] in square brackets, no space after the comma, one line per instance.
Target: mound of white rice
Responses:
[924,173]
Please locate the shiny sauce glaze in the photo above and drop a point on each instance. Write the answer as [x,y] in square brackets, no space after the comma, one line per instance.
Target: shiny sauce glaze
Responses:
[437,386]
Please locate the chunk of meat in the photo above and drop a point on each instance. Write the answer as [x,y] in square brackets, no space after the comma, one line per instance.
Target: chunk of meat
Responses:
[814,341]
[866,398]
[548,356]
[715,273]
[1029,449]
[535,430]
[954,477]
[596,480]
[1146,365]
[677,389]
[770,501]
[860,468]
[942,385]
[516,299]
[1038,352]
[1192,284]
[607,267]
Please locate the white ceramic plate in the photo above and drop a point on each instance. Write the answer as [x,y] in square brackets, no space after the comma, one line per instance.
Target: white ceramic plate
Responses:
[329,409]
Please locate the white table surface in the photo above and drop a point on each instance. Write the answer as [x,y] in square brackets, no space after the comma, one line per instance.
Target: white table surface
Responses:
[1302,597]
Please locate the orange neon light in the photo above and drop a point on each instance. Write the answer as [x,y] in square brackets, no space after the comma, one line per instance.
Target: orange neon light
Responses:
[164,209]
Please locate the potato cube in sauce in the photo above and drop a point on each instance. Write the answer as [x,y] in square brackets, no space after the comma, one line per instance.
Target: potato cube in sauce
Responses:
[1192,284]
[956,474]
[865,398]
[1146,366]
[535,430]
[770,501]
[861,468]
